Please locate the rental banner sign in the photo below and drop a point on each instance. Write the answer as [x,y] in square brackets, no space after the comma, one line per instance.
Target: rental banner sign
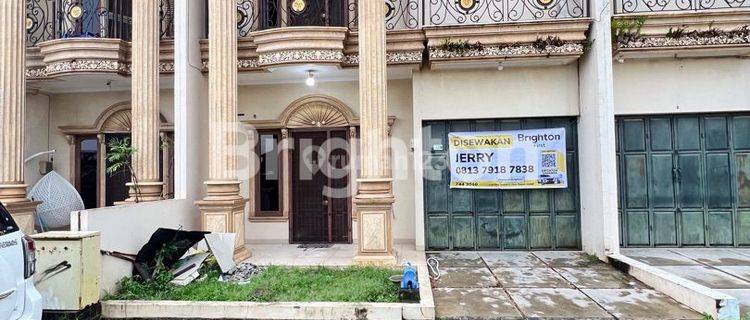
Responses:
[521,159]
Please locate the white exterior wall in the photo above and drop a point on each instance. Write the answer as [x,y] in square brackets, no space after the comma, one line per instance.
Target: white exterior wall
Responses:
[267,102]
[473,94]
[681,86]
[488,93]
[36,135]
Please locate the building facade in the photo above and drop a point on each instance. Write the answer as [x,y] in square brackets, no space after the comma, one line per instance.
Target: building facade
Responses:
[327,121]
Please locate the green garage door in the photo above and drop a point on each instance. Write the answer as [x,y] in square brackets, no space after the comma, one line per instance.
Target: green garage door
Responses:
[684,180]
[464,219]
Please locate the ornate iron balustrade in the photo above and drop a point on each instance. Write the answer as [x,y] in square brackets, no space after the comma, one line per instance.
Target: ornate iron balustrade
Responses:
[55,19]
[452,12]
[254,15]
[644,6]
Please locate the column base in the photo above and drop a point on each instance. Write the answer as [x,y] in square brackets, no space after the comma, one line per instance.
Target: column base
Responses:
[387,260]
[374,208]
[24,213]
[145,192]
[226,216]
[241,253]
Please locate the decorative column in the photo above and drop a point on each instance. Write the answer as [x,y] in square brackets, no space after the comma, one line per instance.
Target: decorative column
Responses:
[145,102]
[597,139]
[286,178]
[374,200]
[101,175]
[222,210]
[13,114]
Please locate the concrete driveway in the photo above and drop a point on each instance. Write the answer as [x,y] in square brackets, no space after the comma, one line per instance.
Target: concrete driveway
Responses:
[543,285]
[724,269]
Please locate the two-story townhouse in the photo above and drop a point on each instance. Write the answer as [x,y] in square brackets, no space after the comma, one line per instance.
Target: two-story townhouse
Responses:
[306,121]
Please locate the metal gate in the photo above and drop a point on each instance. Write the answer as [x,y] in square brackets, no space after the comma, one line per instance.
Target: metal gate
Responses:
[464,219]
[684,180]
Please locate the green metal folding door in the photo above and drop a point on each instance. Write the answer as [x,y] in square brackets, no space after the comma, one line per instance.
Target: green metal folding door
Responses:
[684,180]
[465,219]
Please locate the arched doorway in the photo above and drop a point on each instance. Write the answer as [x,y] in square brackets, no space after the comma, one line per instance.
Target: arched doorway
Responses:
[322,130]
[88,154]
[307,165]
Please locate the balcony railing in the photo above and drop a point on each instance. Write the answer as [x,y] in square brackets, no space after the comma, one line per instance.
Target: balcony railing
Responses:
[254,15]
[452,12]
[645,6]
[56,19]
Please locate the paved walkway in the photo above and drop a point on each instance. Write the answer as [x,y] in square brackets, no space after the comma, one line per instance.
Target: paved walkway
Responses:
[331,255]
[724,269]
[543,285]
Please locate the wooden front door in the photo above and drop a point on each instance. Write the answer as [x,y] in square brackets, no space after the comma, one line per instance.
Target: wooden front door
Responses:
[320,187]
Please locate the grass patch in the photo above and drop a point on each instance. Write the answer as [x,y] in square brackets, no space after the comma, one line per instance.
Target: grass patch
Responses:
[276,283]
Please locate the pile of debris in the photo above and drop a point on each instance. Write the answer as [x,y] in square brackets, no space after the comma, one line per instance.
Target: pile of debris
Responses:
[184,253]
[242,273]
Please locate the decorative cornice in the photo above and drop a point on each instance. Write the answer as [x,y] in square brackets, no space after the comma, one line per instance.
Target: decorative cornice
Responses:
[87,65]
[515,50]
[301,56]
[660,42]
[36,73]
[242,64]
[351,59]
[166,67]
[399,57]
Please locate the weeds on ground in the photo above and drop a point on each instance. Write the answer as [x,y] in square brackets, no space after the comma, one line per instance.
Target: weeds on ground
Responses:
[591,259]
[275,283]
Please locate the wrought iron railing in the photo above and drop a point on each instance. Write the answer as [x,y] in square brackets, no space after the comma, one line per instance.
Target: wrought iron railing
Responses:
[55,19]
[451,12]
[256,15]
[645,6]
[253,15]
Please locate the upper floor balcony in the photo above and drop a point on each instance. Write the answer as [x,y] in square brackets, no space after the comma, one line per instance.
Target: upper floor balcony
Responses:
[681,28]
[274,33]
[90,36]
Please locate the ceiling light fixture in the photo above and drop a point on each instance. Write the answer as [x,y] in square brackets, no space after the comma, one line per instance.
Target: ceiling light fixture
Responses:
[310,81]
[500,66]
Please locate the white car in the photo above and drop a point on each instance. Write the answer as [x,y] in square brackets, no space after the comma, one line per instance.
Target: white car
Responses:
[19,299]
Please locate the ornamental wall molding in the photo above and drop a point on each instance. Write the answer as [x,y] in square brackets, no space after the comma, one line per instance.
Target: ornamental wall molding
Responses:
[401,57]
[352,59]
[301,56]
[659,42]
[67,56]
[504,51]
[87,66]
